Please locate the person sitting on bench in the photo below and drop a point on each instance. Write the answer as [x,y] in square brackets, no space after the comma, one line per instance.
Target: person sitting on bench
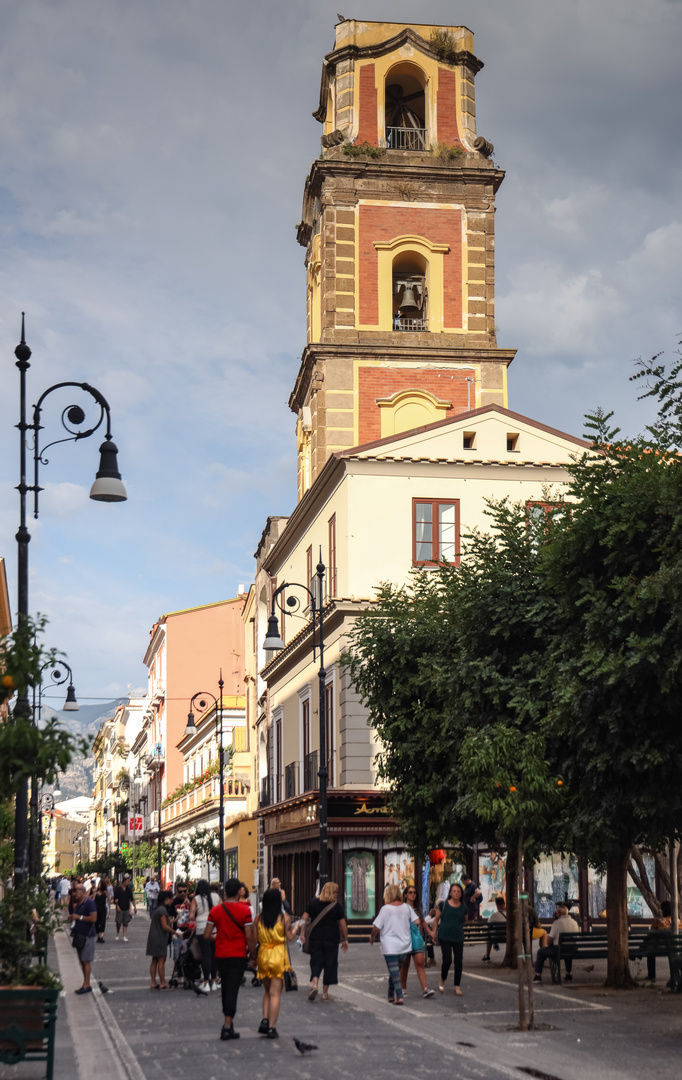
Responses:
[498,916]
[563,924]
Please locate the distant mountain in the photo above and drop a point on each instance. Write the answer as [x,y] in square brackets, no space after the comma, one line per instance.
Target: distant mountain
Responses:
[78,779]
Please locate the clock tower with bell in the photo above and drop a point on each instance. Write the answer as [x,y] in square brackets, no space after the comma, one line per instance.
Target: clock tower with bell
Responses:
[398,230]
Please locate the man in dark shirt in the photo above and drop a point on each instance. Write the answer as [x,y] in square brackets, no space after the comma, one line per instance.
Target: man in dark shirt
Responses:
[124,900]
[472,898]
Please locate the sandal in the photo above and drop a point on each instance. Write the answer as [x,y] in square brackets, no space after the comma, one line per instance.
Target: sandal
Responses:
[458,991]
[312,994]
[164,987]
[327,997]
[441,988]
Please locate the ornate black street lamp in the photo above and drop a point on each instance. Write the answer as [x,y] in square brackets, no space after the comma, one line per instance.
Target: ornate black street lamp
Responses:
[108,487]
[35,861]
[272,643]
[191,730]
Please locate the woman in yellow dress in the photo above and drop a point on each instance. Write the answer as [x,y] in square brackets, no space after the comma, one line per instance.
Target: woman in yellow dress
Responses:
[274,930]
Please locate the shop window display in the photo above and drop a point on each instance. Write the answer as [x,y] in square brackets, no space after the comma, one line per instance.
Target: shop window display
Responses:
[398,868]
[556,879]
[360,885]
[492,869]
[637,905]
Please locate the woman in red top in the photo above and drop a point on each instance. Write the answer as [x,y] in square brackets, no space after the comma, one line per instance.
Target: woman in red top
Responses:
[235,943]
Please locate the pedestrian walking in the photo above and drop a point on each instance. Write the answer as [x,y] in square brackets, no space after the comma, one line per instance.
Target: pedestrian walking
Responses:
[157,940]
[393,924]
[151,892]
[124,900]
[274,930]
[235,945]
[420,932]
[472,898]
[64,890]
[83,919]
[324,929]
[204,900]
[102,908]
[449,926]
[497,916]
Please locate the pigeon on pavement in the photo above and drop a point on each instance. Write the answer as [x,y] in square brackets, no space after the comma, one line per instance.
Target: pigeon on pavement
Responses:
[105,989]
[304,1048]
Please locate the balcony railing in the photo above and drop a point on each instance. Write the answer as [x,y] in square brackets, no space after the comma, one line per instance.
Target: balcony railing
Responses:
[402,138]
[411,325]
[264,796]
[204,793]
[310,771]
[291,780]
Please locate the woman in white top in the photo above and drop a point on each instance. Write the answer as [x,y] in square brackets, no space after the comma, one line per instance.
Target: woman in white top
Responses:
[204,899]
[393,923]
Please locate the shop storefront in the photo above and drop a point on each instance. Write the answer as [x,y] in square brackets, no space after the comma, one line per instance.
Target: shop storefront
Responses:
[363,854]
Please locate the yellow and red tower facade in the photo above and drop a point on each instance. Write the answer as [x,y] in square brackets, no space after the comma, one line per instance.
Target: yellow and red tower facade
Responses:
[398,227]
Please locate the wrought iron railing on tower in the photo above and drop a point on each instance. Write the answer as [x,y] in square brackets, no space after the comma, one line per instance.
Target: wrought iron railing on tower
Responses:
[405,138]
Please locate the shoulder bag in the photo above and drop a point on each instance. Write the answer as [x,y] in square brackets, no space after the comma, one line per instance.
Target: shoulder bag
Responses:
[290,977]
[310,927]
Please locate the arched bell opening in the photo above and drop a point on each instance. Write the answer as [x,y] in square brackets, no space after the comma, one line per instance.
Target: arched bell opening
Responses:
[405,109]
[410,293]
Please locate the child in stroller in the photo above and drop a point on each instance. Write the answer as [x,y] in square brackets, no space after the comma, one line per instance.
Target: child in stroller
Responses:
[187,966]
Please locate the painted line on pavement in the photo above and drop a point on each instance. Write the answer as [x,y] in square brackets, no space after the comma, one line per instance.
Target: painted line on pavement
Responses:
[416,1031]
[542,993]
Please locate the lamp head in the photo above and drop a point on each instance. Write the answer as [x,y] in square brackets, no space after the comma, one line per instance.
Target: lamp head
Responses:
[273,641]
[108,486]
[191,726]
[70,705]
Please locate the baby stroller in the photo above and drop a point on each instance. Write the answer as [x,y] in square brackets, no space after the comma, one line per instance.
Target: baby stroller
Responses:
[187,967]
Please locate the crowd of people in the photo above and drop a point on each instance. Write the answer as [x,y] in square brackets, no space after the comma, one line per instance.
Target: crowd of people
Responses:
[215,938]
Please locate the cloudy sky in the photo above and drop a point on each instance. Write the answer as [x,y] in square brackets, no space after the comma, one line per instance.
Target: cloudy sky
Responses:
[152,161]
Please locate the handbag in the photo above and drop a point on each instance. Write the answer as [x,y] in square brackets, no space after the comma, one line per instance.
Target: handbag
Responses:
[418,943]
[309,928]
[78,941]
[290,977]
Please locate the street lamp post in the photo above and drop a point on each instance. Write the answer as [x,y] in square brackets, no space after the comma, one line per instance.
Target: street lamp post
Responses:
[35,863]
[190,730]
[272,643]
[108,487]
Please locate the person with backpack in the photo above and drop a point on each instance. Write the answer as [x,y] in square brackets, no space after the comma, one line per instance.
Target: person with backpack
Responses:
[235,944]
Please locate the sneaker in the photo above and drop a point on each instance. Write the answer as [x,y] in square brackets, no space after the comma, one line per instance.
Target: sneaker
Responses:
[227,1033]
[264,1026]
[216,983]
[485,959]
[568,978]
[273,1033]
[117,938]
[83,990]
[126,940]
[429,993]
[537,978]
[203,988]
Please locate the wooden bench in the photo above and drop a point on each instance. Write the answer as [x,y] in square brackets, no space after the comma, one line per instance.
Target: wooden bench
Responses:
[641,944]
[484,932]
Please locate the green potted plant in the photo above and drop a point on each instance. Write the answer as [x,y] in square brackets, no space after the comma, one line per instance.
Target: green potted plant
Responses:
[29,989]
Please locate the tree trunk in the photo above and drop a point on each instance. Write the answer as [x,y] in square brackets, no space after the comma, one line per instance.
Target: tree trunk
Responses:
[637,871]
[512,876]
[525,967]
[662,867]
[618,965]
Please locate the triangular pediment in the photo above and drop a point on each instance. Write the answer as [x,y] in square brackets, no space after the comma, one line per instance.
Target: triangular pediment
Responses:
[482,435]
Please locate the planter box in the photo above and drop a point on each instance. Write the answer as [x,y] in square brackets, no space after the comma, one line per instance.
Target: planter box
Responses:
[28,1017]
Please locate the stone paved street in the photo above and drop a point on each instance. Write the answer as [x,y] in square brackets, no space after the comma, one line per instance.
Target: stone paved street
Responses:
[139,1035]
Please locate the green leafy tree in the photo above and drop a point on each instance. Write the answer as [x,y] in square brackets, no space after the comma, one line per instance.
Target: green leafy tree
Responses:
[441,664]
[616,574]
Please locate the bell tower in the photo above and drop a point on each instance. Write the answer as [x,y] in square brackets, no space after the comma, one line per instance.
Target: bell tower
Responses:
[398,229]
